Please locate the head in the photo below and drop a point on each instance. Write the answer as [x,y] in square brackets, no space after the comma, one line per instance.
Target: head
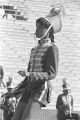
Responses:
[9,84]
[66,88]
[10,79]
[44,29]
[9,89]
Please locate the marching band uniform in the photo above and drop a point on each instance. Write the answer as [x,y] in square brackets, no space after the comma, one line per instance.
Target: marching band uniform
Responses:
[8,108]
[64,105]
[8,105]
[43,67]
[43,64]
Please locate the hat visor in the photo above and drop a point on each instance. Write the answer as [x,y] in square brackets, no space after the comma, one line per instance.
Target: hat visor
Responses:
[67,89]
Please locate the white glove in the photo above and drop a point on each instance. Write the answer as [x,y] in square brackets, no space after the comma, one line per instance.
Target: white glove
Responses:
[23,73]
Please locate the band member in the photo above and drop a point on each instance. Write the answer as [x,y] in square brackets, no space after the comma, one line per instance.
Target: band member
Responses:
[8,105]
[1,76]
[64,104]
[42,68]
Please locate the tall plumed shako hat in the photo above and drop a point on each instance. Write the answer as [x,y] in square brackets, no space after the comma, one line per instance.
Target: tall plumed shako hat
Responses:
[52,20]
[65,85]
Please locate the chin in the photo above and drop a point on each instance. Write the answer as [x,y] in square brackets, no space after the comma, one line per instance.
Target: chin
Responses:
[38,36]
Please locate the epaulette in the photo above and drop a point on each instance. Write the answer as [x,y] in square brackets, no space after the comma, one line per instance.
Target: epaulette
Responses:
[51,44]
[34,48]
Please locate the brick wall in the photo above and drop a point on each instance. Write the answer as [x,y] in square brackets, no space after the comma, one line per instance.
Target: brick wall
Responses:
[16,41]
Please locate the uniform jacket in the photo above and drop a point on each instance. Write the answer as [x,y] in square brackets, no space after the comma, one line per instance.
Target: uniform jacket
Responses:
[43,64]
[64,104]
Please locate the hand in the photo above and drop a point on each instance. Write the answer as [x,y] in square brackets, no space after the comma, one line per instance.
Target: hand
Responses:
[22,73]
[33,76]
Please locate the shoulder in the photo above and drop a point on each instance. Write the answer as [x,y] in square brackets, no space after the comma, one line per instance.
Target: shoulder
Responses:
[60,96]
[53,48]
[34,48]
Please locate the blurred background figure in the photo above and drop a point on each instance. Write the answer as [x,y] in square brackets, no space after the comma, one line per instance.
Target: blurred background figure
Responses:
[42,68]
[9,83]
[64,104]
[1,76]
[8,103]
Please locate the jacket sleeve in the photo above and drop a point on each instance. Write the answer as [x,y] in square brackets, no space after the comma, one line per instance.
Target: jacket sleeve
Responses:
[59,105]
[51,65]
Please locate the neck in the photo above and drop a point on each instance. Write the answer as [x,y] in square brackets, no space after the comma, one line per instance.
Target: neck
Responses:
[44,41]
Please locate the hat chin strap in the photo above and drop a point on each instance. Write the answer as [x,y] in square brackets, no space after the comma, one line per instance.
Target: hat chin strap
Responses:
[43,35]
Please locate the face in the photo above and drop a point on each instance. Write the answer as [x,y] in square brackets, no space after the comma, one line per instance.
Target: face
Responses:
[9,89]
[40,30]
[67,91]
